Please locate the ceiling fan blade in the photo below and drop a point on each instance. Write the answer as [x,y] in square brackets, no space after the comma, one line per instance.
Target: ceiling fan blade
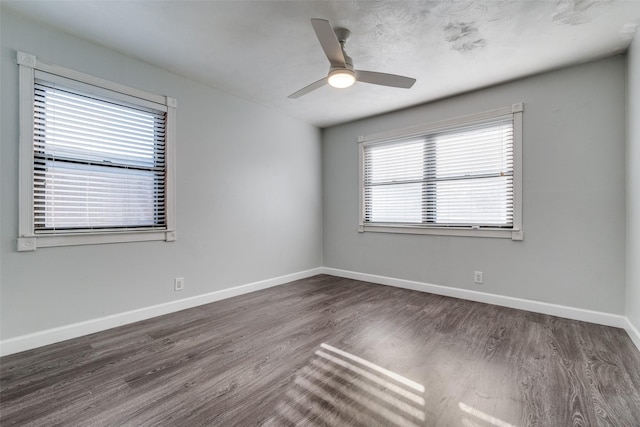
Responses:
[329,42]
[384,79]
[305,90]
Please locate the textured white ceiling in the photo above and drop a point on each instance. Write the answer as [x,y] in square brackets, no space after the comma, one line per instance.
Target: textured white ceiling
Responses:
[265,50]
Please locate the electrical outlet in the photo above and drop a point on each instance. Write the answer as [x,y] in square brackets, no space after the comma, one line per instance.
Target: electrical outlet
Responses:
[477,277]
[178,284]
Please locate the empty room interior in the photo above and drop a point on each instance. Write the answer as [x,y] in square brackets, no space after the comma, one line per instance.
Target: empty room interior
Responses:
[320,213]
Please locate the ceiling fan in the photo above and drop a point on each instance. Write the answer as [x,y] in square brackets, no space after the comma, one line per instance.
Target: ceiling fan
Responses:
[341,73]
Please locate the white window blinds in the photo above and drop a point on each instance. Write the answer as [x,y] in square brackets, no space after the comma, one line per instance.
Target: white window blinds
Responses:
[99,163]
[460,177]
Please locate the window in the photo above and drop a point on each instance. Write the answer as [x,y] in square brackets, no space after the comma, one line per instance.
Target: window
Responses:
[95,160]
[458,177]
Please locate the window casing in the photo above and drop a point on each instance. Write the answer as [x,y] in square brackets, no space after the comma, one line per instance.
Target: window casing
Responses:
[96,160]
[454,177]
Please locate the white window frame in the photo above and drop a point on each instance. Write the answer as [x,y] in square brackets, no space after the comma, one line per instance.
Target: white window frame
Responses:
[28,240]
[514,233]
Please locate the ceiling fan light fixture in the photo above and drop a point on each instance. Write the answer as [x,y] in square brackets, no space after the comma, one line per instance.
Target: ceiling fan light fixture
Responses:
[341,72]
[341,78]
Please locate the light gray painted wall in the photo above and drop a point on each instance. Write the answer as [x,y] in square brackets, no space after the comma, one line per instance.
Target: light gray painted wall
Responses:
[573,251]
[248,194]
[633,183]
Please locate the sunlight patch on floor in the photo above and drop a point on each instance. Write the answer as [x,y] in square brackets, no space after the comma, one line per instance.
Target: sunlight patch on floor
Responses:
[481,416]
[373,366]
[339,388]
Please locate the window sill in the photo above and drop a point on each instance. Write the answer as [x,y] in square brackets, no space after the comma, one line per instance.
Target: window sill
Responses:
[441,231]
[31,243]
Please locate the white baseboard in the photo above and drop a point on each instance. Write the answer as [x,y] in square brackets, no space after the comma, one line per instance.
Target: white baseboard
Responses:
[75,330]
[633,332]
[573,313]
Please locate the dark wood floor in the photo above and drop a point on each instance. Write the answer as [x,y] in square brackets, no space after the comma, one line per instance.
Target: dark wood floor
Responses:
[326,351]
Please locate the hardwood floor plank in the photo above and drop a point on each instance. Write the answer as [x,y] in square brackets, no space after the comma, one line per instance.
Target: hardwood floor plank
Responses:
[327,351]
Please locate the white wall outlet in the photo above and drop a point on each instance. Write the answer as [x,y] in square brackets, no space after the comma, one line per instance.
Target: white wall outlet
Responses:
[477,277]
[178,284]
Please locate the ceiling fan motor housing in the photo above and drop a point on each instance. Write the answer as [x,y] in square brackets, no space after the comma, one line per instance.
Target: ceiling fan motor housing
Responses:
[342,77]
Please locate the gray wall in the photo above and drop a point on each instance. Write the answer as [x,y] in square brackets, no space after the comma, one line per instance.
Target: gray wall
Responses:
[248,198]
[633,184]
[573,251]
